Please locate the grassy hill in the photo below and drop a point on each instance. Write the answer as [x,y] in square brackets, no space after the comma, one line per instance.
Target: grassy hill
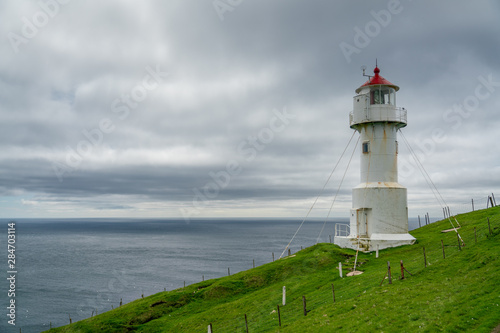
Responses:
[458,293]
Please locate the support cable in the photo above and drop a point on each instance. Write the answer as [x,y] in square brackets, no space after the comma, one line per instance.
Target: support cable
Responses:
[427,178]
[338,189]
[430,183]
[315,200]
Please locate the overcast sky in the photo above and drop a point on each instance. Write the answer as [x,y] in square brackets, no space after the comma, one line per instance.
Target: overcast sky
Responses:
[237,107]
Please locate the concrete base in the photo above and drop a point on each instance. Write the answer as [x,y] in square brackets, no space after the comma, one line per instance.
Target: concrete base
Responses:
[380,241]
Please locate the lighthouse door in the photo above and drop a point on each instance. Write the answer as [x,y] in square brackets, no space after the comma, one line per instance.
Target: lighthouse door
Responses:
[362,221]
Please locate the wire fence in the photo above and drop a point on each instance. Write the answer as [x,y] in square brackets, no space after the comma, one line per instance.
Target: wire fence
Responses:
[298,304]
[438,213]
[326,294]
[279,315]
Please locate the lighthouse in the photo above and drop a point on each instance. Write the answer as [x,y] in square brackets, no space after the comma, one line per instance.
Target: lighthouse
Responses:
[379,214]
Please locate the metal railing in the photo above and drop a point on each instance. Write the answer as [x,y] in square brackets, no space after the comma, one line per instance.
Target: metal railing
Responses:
[375,114]
[342,230]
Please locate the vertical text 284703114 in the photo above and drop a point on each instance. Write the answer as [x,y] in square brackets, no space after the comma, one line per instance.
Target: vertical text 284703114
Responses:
[11,272]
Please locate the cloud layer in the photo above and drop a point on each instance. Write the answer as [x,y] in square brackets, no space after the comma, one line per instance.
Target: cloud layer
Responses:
[134,109]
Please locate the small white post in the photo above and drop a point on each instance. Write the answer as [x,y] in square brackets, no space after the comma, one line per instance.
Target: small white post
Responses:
[376,254]
[284,295]
[210,328]
[340,269]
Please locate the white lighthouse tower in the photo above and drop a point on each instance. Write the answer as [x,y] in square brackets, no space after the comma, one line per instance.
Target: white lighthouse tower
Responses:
[379,214]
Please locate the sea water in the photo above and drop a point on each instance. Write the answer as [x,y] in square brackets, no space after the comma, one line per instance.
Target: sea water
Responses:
[77,267]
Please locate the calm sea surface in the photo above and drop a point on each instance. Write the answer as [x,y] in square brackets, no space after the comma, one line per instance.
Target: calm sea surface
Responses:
[73,267]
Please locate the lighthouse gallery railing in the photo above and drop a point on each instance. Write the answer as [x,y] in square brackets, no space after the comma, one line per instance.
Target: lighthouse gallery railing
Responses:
[374,113]
[342,230]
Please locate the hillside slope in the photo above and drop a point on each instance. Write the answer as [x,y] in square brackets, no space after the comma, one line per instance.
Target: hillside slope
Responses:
[460,292]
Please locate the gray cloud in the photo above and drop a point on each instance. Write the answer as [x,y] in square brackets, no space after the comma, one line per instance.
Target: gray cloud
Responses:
[226,79]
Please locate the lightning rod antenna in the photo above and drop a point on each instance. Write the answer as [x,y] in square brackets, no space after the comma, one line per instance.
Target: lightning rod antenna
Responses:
[363,69]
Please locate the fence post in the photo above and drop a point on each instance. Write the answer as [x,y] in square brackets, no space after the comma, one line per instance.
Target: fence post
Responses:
[419,225]
[442,246]
[389,272]
[304,304]
[444,213]
[425,258]
[402,270]
[340,268]
[284,295]
[246,322]
[279,315]
[472,204]
[254,263]
[210,328]
[273,256]
[333,292]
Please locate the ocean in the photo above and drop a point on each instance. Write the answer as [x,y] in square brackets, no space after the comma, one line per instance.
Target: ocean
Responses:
[75,267]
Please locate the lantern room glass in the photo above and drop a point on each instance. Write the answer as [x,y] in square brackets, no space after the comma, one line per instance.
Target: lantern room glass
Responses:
[382,95]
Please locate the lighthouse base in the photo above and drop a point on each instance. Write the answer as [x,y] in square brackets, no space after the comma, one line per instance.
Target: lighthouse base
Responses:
[374,242]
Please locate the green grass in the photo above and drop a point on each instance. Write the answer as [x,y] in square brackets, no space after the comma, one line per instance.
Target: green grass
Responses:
[459,293]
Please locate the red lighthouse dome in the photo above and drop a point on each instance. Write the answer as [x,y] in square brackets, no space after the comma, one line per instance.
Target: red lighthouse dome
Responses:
[377,80]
